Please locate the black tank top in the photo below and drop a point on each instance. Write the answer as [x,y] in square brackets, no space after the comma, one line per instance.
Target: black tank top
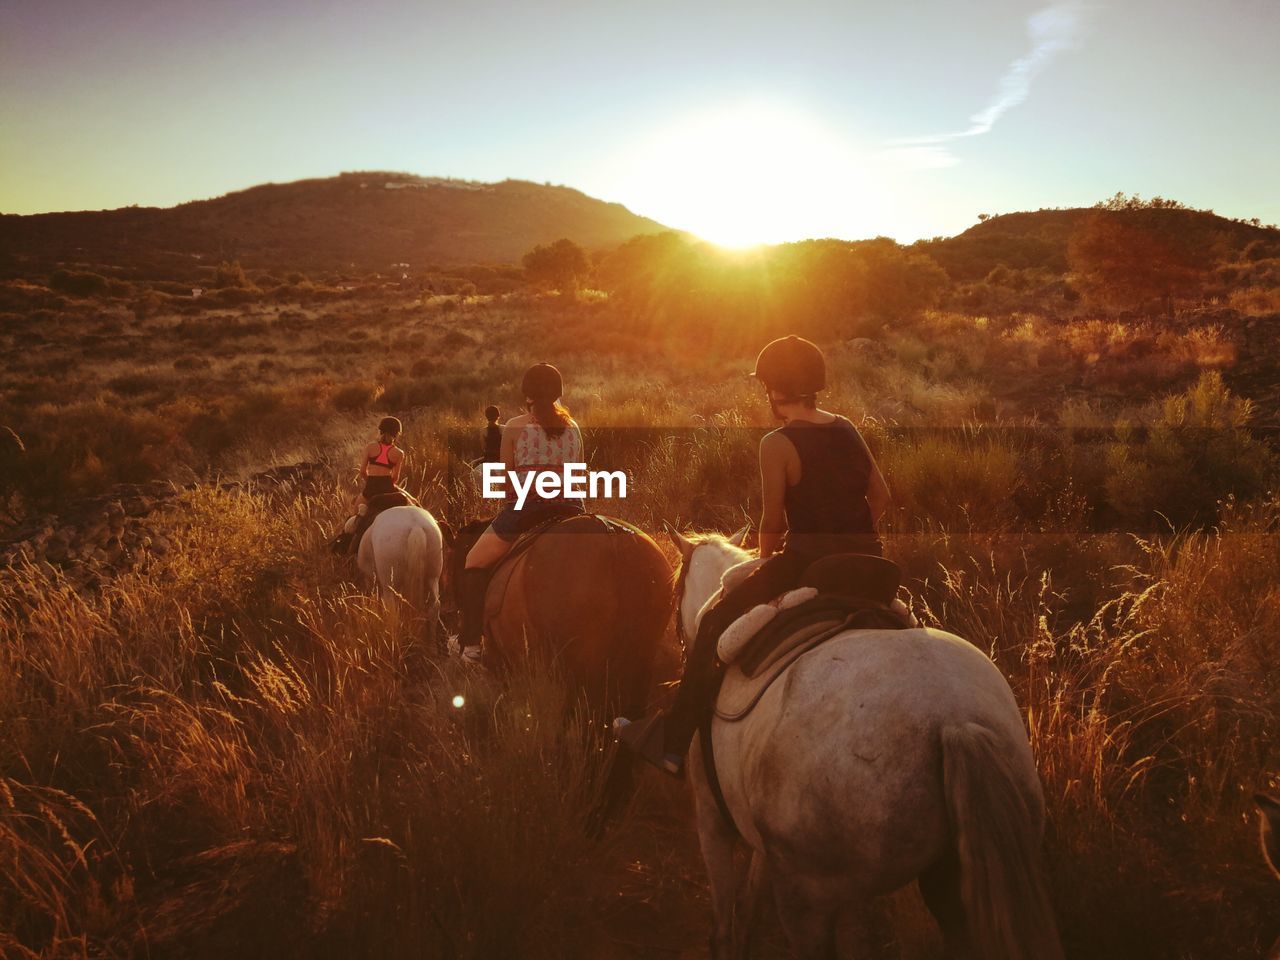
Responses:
[831,497]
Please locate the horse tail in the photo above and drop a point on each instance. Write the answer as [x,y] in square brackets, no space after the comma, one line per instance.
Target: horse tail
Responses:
[998,832]
[416,569]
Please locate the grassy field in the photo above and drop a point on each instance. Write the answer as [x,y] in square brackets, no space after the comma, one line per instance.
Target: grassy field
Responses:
[230,747]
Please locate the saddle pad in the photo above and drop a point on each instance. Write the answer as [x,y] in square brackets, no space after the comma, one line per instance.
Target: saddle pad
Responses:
[790,635]
[739,693]
[778,636]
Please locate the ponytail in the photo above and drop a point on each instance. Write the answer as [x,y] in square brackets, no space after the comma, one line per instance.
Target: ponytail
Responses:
[551,415]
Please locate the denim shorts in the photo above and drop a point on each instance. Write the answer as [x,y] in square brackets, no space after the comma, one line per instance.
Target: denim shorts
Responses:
[510,523]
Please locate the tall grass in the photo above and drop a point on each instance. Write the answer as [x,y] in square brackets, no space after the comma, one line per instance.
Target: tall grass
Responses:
[234,744]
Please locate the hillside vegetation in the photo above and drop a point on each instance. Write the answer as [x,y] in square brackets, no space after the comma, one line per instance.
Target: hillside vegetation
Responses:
[353,222]
[225,742]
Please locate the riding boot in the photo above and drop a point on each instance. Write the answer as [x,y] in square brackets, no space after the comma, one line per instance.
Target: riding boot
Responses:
[696,693]
[472,586]
[663,738]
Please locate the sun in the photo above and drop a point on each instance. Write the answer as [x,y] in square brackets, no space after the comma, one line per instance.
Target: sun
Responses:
[750,173]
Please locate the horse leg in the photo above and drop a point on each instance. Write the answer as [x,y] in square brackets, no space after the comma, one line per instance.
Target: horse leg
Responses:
[716,838]
[940,888]
[748,907]
[808,921]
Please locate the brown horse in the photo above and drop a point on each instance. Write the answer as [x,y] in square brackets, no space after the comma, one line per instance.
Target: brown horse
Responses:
[590,594]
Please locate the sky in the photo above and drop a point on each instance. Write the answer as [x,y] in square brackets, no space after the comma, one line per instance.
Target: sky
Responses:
[742,122]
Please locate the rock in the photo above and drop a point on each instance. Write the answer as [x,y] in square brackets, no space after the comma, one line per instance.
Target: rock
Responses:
[137,507]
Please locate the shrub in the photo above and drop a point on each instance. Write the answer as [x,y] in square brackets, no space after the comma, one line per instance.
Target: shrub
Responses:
[78,284]
[1196,450]
[356,397]
[958,478]
[229,275]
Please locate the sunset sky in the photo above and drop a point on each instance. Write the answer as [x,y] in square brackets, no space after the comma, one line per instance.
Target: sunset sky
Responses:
[740,121]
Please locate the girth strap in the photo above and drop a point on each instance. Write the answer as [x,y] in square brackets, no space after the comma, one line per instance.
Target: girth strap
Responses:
[713,778]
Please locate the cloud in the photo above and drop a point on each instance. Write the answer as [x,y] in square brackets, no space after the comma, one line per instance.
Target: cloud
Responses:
[1051,31]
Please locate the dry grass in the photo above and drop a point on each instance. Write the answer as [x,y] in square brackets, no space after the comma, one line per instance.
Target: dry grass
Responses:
[233,745]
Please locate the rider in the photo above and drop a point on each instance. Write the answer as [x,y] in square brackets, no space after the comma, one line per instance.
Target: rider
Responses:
[380,467]
[382,462]
[822,492]
[546,437]
[492,435]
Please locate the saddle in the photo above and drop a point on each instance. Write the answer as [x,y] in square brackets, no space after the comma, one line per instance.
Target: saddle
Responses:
[836,593]
[510,566]
[345,542]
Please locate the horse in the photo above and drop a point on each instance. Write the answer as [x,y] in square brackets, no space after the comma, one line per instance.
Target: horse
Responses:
[590,595]
[877,758]
[402,554]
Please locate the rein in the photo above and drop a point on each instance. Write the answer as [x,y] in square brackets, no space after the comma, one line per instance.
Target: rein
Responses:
[681,578]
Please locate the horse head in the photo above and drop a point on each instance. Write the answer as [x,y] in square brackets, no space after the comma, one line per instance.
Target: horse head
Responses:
[704,558]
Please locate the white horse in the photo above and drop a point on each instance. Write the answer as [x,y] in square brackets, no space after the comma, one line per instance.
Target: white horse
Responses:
[879,757]
[402,554]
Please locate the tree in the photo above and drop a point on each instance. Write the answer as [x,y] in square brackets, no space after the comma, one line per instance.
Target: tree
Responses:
[1123,262]
[558,266]
[230,275]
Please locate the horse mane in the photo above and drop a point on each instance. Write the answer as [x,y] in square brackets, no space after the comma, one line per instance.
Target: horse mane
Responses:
[699,539]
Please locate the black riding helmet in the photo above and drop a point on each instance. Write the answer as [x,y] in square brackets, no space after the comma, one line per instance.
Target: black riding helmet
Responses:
[542,381]
[793,366]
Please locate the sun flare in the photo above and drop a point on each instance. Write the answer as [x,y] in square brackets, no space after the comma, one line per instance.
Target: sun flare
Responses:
[752,173]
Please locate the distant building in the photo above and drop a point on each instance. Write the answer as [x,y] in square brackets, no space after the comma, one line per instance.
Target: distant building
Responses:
[196,292]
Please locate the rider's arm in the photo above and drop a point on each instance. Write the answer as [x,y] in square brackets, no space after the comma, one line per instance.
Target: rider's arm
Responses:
[396,466]
[878,495]
[774,449]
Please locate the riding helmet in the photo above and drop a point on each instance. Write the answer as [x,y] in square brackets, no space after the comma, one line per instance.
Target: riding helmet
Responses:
[793,366]
[542,381]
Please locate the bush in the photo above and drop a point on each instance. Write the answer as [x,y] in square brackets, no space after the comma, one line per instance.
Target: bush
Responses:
[78,284]
[356,397]
[1196,451]
[229,275]
[959,479]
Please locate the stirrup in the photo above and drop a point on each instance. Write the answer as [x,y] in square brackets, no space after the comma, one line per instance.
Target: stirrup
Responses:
[644,739]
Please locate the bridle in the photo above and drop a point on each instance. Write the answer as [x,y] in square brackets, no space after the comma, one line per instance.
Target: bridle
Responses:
[681,577]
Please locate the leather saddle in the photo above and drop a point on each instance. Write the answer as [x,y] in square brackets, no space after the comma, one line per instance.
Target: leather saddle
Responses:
[344,543]
[510,568]
[855,592]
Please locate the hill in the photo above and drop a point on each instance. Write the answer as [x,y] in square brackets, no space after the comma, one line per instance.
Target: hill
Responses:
[1038,239]
[355,221]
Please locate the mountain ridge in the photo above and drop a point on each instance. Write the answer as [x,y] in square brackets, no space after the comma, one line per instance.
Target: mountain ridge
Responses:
[355,220]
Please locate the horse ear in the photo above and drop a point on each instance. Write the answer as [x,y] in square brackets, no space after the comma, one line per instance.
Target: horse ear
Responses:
[683,543]
[739,538]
